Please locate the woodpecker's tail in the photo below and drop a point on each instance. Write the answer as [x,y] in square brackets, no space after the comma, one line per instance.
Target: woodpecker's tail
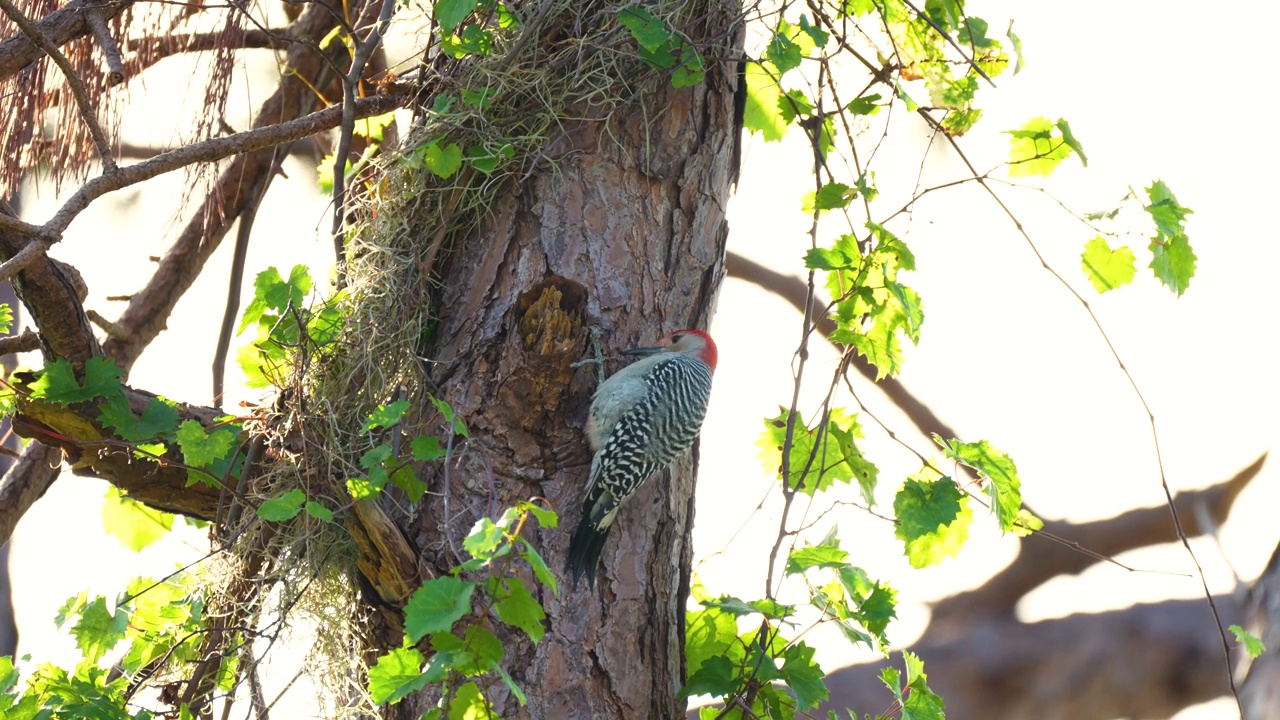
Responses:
[584,550]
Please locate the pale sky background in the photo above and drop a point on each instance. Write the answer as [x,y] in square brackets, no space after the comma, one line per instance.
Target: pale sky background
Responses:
[1152,90]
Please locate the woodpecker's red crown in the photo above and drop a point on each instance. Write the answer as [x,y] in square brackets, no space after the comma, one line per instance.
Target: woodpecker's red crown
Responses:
[693,342]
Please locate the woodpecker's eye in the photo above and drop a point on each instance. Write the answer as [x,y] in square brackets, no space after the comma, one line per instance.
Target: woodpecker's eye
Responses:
[676,338]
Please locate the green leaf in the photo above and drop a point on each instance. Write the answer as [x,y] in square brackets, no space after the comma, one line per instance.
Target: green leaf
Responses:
[1172,259]
[716,676]
[1035,148]
[834,195]
[132,523]
[973,32]
[284,507]
[200,448]
[396,675]
[1070,139]
[783,53]
[649,31]
[451,13]
[1107,269]
[1168,214]
[484,539]
[933,520]
[734,606]
[1252,645]
[761,114]
[922,703]
[865,105]
[691,70]
[911,105]
[6,318]
[819,36]
[546,517]
[959,122]
[1004,488]
[426,448]
[540,569]
[160,417]
[819,456]
[446,410]
[436,606]
[1173,262]
[473,40]
[318,511]
[793,104]
[517,607]
[803,676]
[98,629]
[385,416]
[407,480]
[711,633]
[1016,42]
[372,127]
[58,382]
[826,554]
[469,704]
[442,161]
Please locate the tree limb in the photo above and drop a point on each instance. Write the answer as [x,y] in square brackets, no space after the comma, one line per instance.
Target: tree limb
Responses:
[1040,559]
[59,27]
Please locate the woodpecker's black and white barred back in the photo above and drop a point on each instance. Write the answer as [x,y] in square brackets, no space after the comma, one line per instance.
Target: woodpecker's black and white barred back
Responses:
[642,418]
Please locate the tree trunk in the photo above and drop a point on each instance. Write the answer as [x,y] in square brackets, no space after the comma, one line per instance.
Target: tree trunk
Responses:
[625,235]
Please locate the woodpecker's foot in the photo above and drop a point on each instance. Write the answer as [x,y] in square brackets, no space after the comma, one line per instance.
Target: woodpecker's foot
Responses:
[598,360]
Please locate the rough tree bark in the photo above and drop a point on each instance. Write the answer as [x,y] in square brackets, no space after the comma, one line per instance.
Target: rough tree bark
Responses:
[627,235]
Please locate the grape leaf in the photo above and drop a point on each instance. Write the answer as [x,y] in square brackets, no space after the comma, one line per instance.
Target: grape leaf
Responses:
[933,520]
[1107,269]
[436,606]
[396,675]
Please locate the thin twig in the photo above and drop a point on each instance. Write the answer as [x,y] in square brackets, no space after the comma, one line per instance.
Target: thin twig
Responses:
[244,230]
[350,89]
[115,65]
[209,151]
[111,328]
[73,81]
[1133,383]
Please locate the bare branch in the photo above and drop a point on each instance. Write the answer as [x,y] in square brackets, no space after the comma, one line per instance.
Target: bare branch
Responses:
[26,342]
[115,65]
[58,28]
[26,482]
[1039,560]
[22,259]
[211,150]
[78,89]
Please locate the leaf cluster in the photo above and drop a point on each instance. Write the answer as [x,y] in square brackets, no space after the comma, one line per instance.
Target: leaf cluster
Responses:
[450,638]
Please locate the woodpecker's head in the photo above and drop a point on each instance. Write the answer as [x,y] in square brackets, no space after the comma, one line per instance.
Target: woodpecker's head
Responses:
[693,343]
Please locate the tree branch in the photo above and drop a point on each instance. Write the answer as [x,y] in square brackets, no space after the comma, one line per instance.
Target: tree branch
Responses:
[1040,559]
[78,89]
[211,150]
[26,482]
[59,28]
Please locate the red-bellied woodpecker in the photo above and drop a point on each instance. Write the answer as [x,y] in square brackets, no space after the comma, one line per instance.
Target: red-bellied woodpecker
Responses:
[642,418]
